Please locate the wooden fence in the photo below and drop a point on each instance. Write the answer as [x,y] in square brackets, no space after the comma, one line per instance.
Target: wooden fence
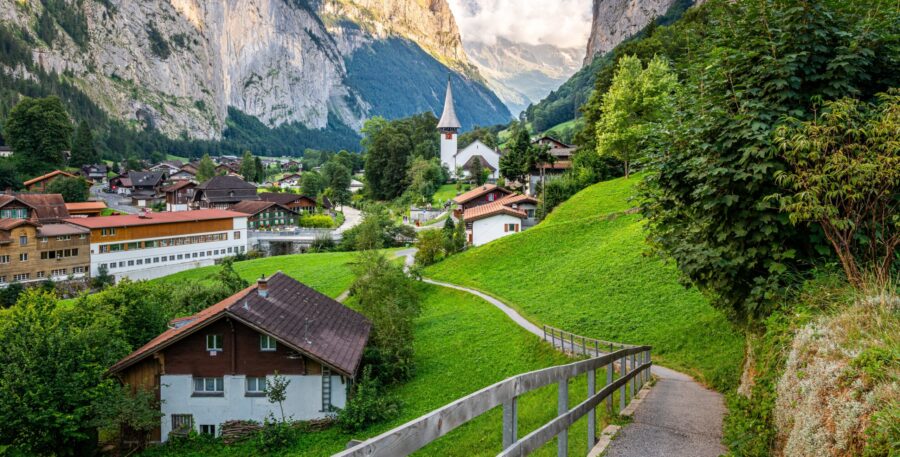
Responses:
[634,370]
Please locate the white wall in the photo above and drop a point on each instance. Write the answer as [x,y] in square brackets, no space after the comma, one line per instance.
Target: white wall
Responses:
[479,148]
[304,401]
[448,150]
[490,228]
[173,207]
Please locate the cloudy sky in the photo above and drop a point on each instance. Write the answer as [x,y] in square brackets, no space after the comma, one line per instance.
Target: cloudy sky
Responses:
[562,23]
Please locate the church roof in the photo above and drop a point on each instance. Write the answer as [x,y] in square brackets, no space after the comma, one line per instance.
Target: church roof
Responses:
[449,119]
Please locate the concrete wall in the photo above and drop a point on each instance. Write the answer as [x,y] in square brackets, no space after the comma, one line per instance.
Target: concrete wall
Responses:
[304,401]
[490,228]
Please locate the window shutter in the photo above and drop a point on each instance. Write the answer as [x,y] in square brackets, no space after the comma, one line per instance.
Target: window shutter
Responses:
[505,228]
[517,228]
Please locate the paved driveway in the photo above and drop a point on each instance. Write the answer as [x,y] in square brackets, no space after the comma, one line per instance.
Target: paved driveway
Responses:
[113,201]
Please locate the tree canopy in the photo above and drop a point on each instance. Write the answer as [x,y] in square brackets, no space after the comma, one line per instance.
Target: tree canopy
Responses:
[38,130]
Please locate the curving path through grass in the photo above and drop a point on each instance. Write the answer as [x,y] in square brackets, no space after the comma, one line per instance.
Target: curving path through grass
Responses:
[678,418]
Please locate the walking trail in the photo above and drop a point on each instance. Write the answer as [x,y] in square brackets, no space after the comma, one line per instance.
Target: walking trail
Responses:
[678,418]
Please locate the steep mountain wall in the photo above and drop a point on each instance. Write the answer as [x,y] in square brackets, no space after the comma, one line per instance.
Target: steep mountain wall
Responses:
[616,20]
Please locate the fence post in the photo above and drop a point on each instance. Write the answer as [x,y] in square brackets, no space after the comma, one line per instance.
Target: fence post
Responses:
[552,339]
[596,348]
[562,441]
[609,378]
[510,422]
[632,382]
[623,369]
[650,361]
[592,414]
[545,332]
[572,342]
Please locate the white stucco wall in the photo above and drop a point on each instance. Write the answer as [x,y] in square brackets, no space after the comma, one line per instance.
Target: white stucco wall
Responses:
[304,401]
[173,207]
[490,228]
[448,150]
[479,148]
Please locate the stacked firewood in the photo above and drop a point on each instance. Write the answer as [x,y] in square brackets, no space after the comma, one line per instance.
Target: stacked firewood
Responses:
[235,431]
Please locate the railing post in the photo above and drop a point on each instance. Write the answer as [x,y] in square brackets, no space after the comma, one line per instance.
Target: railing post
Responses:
[545,332]
[609,379]
[649,360]
[510,422]
[596,348]
[632,382]
[592,414]
[640,376]
[552,339]
[572,342]
[623,369]
[562,441]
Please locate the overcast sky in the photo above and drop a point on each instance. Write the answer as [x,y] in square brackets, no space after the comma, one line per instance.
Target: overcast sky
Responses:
[562,23]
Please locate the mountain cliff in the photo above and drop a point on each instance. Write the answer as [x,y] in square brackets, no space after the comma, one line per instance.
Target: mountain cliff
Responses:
[520,73]
[186,67]
[617,20]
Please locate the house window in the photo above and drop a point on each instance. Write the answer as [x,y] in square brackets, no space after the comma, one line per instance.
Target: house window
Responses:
[64,238]
[237,235]
[60,272]
[21,277]
[214,342]
[530,213]
[209,385]
[2,279]
[23,257]
[78,270]
[43,239]
[82,236]
[40,274]
[207,429]
[266,343]
[108,232]
[131,263]
[256,385]
[510,227]
[23,240]
[4,259]
[490,197]
[182,423]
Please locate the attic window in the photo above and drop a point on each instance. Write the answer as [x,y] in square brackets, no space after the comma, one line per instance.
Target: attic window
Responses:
[267,343]
[214,343]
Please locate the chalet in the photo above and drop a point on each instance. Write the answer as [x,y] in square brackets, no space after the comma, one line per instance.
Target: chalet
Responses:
[298,203]
[40,183]
[35,245]
[229,169]
[214,366]
[121,184]
[5,152]
[85,209]
[291,165]
[502,217]
[478,196]
[562,161]
[289,181]
[146,186]
[96,173]
[265,215]
[222,192]
[167,166]
[178,195]
[356,186]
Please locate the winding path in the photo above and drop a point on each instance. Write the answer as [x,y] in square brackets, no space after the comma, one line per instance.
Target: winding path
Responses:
[678,417]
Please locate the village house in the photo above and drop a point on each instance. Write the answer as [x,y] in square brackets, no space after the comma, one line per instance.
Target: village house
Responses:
[146,187]
[85,209]
[167,166]
[222,191]
[35,245]
[179,195]
[96,173]
[120,185]
[151,245]
[289,181]
[265,215]
[214,366]
[229,169]
[40,183]
[481,195]
[6,152]
[562,154]
[476,153]
[296,202]
[291,165]
[505,216]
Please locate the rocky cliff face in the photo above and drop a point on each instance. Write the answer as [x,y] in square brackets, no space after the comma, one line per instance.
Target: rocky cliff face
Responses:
[178,65]
[616,20]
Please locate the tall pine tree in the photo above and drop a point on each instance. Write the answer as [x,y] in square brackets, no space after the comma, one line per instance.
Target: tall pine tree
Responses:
[83,150]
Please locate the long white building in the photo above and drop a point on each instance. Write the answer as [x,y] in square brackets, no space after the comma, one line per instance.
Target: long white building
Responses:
[152,245]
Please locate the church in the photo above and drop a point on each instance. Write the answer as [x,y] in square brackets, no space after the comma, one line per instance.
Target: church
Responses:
[451,156]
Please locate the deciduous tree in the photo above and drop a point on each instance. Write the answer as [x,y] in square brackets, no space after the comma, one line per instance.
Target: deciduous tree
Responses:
[38,130]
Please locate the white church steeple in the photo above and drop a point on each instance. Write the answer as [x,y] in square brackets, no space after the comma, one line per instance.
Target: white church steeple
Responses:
[449,127]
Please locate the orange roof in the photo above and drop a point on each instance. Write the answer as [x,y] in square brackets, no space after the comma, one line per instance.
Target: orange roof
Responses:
[85,206]
[477,192]
[491,209]
[515,199]
[48,176]
[154,218]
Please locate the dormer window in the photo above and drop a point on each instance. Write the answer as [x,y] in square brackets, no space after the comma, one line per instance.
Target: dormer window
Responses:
[214,343]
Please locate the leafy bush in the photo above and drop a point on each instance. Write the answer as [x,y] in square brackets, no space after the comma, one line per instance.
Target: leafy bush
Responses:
[275,435]
[430,247]
[368,404]
[316,221]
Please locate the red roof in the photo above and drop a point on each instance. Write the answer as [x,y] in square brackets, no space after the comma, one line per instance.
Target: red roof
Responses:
[516,199]
[48,176]
[477,192]
[491,209]
[132,220]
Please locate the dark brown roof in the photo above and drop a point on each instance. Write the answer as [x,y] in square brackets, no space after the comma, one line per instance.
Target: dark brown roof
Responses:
[293,313]
[477,192]
[146,178]
[47,207]
[478,158]
[284,198]
[179,185]
[252,207]
[226,182]
[225,189]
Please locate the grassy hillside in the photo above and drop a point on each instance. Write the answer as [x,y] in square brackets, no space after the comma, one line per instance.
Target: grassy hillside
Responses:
[462,344]
[585,270]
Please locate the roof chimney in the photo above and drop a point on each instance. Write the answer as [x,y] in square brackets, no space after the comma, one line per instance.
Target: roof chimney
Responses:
[262,286]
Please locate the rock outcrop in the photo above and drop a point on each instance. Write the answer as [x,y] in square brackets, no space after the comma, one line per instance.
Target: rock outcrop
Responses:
[616,20]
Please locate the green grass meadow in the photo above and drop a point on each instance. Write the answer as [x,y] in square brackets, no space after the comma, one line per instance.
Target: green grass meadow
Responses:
[586,269]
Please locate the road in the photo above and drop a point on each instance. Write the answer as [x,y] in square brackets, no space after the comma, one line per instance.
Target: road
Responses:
[678,418]
[352,218]
[113,201]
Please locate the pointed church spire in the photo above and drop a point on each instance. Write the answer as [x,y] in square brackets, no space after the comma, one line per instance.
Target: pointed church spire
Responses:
[448,119]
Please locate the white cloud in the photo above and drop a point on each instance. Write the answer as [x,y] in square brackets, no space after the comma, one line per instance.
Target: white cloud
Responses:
[562,23]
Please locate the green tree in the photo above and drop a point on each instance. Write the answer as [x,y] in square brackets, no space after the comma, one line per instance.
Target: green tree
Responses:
[430,247]
[206,169]
[10,294]
[231,281]
[52,369]
[9,175]
[844,175]
[311,184]
[388,151]
[121,407]
[514,163]
[261,171]
[38,130]
[388,297]
[144,308]
[425,177]
[73,190]
[485,135]
[635,110]
[84,152]
[337,177]
[276,392]
[248,167]
[102,279]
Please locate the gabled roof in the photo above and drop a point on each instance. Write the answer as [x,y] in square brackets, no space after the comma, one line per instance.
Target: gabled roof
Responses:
[295,314]
[284,198]
[131,220]
[61,229]
[225,189]
[9,224]
[48,176]
[85,206]
[478,158]
[252,207]
[491,209]
[477,192]
[178,186]
[479,146]
[47,207]
[226,182]
[448,119]
[146,178]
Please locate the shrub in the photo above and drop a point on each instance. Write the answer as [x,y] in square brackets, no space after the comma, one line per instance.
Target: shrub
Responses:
[430,247]
[316,221]
[368,405]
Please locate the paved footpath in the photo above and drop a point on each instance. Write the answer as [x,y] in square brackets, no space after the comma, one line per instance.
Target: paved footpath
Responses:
[678,418]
